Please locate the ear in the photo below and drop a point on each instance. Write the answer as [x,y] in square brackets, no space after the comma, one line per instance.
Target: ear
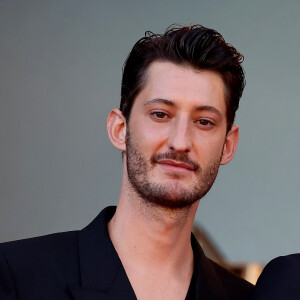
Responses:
[230,145]
[116,129]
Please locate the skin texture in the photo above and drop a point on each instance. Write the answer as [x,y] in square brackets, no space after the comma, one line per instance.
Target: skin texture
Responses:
[166,195]
[173,144]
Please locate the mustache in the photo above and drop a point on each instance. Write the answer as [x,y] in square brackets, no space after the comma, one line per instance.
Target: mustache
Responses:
[176,156]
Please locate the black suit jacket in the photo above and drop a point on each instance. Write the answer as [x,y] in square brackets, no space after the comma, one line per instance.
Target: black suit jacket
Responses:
[83,265]
[280,279]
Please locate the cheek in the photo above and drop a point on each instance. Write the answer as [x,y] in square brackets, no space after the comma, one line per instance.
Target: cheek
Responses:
[210,148]
[149,135]
[154,142]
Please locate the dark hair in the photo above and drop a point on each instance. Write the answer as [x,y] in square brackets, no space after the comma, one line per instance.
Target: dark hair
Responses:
[195,46]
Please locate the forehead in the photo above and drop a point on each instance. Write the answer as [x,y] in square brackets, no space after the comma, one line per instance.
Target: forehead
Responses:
[183,85]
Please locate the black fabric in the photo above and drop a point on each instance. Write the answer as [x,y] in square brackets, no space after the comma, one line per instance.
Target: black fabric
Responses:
[280,279]
[83,265]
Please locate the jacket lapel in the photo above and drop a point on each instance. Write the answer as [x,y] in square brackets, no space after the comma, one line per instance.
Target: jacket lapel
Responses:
[102,273]
[208,283]
[103,276]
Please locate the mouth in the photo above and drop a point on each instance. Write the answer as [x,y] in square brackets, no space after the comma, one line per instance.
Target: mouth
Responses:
[176,166]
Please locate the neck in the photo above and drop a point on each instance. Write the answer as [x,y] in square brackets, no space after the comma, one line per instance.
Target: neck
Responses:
[150,236]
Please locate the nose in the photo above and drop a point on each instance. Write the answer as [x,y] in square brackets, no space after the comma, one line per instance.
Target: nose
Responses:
[180,137]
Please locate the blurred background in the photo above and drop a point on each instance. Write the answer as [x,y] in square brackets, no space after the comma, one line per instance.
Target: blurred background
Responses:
[60,72]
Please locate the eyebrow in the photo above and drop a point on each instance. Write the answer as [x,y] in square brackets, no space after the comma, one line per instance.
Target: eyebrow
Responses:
[171,103]
[208,108]
[160,100]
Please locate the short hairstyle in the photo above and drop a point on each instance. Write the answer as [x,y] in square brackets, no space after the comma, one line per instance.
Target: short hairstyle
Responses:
[195,46]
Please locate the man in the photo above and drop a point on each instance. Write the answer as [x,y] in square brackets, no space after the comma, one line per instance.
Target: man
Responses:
[180,92]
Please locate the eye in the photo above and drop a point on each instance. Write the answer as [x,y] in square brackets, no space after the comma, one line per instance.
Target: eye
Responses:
[160,115]
[206,123]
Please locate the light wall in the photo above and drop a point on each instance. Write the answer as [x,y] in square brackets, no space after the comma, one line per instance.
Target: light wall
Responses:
[60,73]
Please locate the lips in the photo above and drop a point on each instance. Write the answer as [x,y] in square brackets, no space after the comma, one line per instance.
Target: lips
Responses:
[175,165]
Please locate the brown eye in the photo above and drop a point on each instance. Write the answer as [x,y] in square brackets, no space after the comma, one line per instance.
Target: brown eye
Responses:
[205,123]
[159,115]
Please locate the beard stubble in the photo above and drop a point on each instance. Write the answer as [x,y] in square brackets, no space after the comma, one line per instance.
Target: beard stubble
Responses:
[167,195]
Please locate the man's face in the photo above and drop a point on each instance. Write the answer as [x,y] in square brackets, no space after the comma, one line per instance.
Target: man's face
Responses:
[176,134]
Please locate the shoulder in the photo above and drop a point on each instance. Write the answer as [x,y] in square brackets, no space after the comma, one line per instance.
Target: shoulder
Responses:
[37,260]
[234,286]
[216,282]
[39,247]
[280,279]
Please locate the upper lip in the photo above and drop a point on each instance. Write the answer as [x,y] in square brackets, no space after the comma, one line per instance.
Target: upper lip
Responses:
[176,164]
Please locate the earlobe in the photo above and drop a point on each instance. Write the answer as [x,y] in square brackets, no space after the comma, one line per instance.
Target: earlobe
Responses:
[230,145]
[116,129]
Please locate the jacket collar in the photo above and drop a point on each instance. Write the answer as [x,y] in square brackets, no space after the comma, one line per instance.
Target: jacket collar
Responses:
[103,276]
[208,284]
[102,273]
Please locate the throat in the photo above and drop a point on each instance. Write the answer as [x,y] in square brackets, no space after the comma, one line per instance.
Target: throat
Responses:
[159,285]
[157,257]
